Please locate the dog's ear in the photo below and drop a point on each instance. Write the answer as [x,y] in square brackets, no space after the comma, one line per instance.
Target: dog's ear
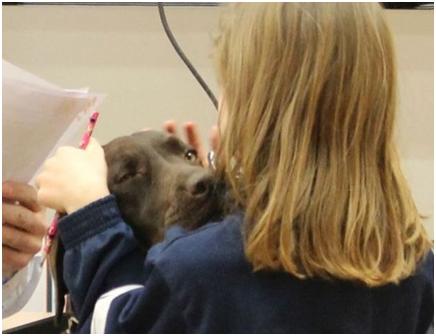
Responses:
[106,150]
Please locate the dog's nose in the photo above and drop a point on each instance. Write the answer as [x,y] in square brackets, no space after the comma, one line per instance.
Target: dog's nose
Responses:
[200,187]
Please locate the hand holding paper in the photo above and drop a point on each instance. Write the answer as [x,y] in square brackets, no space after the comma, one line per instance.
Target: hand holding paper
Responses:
[38,117]
[23,226]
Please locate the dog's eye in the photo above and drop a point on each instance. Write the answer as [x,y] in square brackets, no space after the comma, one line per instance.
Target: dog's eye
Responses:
[191,155]
[125,177]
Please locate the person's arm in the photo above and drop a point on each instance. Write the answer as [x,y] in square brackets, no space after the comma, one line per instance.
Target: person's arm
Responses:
[110,287]
[101,253]
[23,228]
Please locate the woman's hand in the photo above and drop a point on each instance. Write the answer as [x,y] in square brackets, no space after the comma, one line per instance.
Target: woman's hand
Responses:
[73,178]
[193,138]
[23,226]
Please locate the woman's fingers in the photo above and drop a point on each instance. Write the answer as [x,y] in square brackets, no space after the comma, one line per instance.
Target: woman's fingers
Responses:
[24,219]
[13,260]
[20,240]
[193,138]
[170,126]
[22,193]
[73,178]
[214,138]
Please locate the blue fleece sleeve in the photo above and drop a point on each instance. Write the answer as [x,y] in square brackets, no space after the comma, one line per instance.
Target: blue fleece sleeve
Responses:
[101,256]
[101,253]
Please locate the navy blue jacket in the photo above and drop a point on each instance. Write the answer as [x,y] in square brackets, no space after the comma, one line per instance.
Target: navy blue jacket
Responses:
[200,282]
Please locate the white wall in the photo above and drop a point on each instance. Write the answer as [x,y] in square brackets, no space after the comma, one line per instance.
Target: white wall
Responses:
[413,32]
[123,52]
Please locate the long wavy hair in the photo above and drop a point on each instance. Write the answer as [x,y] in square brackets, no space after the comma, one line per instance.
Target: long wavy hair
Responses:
[308,142]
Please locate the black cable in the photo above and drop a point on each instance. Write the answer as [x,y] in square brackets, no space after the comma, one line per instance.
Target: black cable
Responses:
[183,56]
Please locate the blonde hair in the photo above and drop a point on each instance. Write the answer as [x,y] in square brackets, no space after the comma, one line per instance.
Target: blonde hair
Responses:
[308,147]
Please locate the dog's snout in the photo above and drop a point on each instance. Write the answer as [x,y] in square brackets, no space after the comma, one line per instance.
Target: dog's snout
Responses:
[200,186]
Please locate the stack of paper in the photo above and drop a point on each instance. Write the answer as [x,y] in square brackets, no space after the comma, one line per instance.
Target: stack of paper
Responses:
[38,117]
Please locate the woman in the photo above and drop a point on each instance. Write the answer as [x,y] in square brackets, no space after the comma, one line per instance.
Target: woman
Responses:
[328,239]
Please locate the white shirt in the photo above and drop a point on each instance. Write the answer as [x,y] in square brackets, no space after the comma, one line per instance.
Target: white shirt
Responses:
[18,289]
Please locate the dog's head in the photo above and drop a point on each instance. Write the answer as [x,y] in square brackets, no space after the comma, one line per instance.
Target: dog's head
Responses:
[159,181]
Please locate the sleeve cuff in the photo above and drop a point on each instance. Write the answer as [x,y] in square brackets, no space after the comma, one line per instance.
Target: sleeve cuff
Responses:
[89,221]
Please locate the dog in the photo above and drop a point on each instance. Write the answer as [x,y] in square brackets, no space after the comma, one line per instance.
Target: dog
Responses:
[158,182]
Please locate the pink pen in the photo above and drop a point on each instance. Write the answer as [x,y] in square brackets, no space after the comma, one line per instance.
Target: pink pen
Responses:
[54,224]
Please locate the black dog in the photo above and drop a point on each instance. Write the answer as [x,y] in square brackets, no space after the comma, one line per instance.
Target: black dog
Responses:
[158,182]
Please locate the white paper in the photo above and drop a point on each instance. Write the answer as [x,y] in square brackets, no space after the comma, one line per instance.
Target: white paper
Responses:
[38,117]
